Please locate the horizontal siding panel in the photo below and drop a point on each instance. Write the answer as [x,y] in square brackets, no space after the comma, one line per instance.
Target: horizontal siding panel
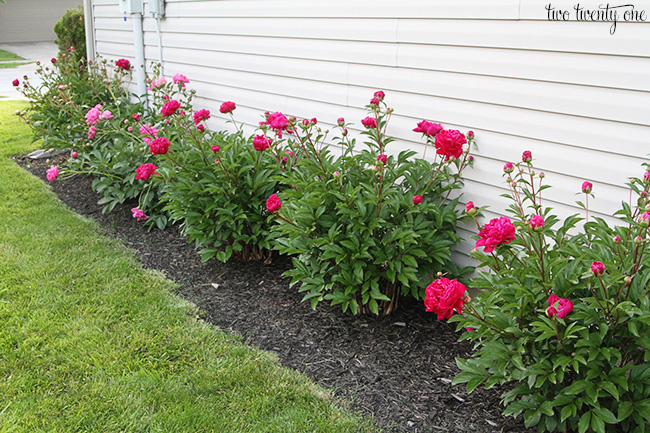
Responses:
[608,104]
[528,35]
[108,49]
[475,9]
[585,69]
[114,36]
[312,28]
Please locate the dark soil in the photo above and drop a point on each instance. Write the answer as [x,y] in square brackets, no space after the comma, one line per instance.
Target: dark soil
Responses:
[397,369]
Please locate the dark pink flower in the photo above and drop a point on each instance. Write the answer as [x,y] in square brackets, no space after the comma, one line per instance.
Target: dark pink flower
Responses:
[52,173]
[644,219]
[277,121]
[227,107]
[587,187]
[598,268]
[470,134]
[527,156]
[369,122]
[144,171]
[74,154]
[123,64]
[92,131]
[537,222]
[428,128]
[340,121]
[53,60]
[138,214]
[136,117]
[443,296]
[261,143]
[159,146]
[383,159]
[200,128]
[469,208]
[561,307]
[201,115]
[170,107]
[180,79]
[379,94]
[273,203]
[449,143]
[374,102]
[497,231]
[508,168]
[148,130]
[215,148]
[417,199]
[646,176]
[15,82]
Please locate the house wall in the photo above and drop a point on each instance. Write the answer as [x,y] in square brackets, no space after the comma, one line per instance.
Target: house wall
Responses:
[575,95]
[31,20]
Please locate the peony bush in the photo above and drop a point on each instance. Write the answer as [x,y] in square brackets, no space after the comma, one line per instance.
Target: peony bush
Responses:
[564,315]
[365,227]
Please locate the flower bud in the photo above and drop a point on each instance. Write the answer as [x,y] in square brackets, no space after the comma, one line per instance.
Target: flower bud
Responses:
[598,268]
[527,156]
[627,279]
[638,240]
[644,219]
[336,174]
[470,134]
[587,187]
[617,239]
[551,312]
[340,121]
[508,168]
[470,209]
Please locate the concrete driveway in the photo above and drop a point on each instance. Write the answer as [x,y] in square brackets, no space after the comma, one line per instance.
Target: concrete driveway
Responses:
[33,51]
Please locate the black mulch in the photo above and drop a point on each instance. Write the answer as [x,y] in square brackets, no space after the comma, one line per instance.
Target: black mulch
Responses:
[397,369]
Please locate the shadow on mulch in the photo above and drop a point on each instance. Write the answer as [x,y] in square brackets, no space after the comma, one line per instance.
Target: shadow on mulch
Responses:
[397,369]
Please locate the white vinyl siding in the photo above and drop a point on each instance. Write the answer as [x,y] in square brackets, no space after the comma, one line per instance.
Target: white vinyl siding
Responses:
[576,96]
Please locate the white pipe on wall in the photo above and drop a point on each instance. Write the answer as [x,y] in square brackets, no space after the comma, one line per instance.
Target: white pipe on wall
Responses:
[138,42]
[90,30]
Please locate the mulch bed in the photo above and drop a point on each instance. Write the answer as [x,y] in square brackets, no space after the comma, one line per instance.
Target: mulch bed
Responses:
[397,369]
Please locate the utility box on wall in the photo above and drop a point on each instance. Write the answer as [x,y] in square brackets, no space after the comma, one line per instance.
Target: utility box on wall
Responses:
[131,6]
[157,8]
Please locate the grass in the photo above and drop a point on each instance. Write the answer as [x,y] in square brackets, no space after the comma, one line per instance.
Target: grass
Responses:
[13,64]
[92,342]
[8,55]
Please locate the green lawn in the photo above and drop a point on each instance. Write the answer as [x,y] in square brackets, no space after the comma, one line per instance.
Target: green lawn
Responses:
[92,342]
[7,55]
[13,64]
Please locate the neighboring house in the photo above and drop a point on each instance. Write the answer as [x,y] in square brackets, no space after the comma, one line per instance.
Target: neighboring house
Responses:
[575,95]
[31,20]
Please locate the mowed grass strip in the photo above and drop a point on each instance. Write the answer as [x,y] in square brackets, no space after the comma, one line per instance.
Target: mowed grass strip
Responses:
[8,55]
[92,342]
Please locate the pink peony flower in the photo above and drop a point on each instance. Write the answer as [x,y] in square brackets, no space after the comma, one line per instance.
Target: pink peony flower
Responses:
[470,134]
[508,168]
[537,222]
[644,219]
[369,122]
[449,143]
[587,187]
[646,177]
[561,307]
[200,128]
[165,98]
[469,208]
[92,116]
[137,117]
[170,108]
[159,146]
[215,148]
[130,129]
[383,159]
[227,107]
[144,171]
[52,173]
[340,121]
[201,115]
[527,156]
[138,214]
[374,102]
[158,83]
[53,60]
[379,94]
[15,82]
[123,64]
[92,131]
[105,115]
[497,231]
[277,121]
[428,128]
[598,268]
[148,130]
[417,199]
[74,154]
[180,79]
[443,296]
[261,143]
[273,203]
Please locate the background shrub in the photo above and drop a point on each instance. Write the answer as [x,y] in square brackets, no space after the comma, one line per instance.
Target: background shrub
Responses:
[71,32]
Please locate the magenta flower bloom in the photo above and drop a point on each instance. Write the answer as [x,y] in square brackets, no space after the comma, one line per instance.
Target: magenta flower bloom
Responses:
[450,144]
[497,231]
[227,107]
[261,143]
[508,168]
[148,130]
[52,173]
[273,203]
[180,79]
[417,199]
[537,222]
[598,268]
[138,214]
[74,154]
[561,307]
[123,64]
[215,148]
[93,115]
[136,117]
[443,296]
[379,94]
[201,115]
[374,102]
[428,128]
[144,171]
[369,122]
[159,146]
[340,121]
[383,159]
[277,121]
[92,131]
[527,156]
[170,108]
[587,187]
[15,82]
